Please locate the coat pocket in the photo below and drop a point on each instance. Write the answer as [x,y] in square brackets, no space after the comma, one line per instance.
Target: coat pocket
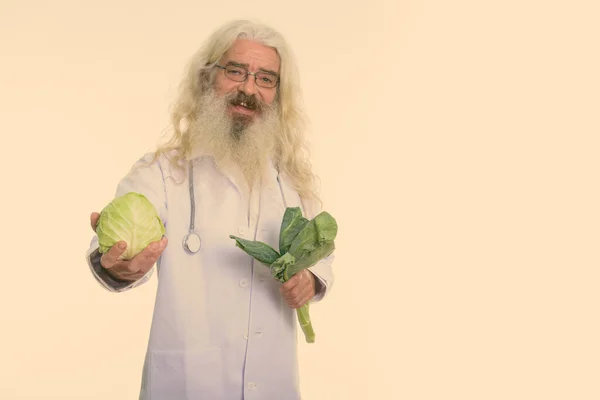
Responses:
[186,375]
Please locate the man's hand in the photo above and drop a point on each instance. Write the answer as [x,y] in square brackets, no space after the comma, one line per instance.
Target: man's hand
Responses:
[135,268]
[299,289]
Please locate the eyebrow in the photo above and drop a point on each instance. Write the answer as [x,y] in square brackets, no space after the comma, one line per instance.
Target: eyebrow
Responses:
[238,64]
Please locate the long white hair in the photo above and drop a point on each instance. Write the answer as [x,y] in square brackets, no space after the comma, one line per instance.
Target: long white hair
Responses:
[291,155]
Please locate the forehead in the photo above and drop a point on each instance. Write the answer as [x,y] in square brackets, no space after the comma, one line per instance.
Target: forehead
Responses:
[257,56]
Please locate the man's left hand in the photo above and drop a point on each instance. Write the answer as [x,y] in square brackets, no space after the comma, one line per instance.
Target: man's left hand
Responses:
[299,289]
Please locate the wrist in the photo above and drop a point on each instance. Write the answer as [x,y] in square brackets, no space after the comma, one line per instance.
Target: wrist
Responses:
[318,285]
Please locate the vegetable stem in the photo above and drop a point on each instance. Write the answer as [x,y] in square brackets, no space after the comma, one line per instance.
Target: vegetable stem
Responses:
[305,323]
[303,317]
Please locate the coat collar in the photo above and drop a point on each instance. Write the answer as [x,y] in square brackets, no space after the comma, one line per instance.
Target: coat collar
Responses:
[231,172]
[274,180]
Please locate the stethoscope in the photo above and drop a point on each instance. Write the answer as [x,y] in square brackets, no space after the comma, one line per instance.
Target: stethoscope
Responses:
[192,242]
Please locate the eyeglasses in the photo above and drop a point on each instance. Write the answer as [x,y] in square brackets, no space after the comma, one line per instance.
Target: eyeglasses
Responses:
[240,74]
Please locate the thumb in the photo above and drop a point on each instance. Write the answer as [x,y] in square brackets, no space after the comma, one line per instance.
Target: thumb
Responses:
[94,220]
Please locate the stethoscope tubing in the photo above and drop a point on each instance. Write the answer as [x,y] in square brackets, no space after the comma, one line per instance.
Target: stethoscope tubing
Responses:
[192,232]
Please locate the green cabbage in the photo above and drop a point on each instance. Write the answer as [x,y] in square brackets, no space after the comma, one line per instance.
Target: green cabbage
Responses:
[302,244]
[131,218]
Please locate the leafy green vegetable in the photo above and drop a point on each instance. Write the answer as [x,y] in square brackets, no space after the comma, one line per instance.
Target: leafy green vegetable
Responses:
[261,251]
[313,243]
[280,266]
[131,218]
[302,244]
[292,223]
[307,260]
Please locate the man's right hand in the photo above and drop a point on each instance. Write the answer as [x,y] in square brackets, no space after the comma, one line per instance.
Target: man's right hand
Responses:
[138,266]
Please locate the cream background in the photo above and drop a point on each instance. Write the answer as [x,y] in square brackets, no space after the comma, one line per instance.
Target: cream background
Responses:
[465,184]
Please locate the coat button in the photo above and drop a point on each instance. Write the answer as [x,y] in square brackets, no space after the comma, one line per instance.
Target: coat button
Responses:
[244,283]
[246,336]
[242,230]
[252,385]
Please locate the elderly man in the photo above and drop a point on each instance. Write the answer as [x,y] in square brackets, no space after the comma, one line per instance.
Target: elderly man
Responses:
[222,327]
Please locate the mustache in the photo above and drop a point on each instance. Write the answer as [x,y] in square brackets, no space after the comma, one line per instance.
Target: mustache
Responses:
[251,102]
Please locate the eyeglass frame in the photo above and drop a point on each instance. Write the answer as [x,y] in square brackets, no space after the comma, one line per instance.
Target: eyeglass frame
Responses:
[248,72]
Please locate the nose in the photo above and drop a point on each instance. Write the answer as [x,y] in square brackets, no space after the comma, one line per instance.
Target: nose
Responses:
[248,86]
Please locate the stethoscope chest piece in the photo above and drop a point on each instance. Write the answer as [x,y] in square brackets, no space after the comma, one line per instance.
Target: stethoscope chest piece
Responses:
[192,242]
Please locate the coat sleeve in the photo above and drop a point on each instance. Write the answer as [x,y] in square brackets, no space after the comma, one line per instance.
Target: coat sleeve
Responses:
[145,177]
[323,270]
[323,273]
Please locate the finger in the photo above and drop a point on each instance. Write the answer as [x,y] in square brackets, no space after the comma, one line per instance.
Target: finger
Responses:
[295,304]
[94,220]
[298,292]
[124,274]
[298,303]
[148,257]
[291,283]
[301,298]
[295,283]
[110,258]
[155,249]
[301,293]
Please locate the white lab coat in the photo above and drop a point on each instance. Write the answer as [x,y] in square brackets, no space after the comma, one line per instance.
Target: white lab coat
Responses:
[220,329]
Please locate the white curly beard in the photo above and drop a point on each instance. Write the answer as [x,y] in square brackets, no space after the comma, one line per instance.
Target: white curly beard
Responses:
[238,140]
